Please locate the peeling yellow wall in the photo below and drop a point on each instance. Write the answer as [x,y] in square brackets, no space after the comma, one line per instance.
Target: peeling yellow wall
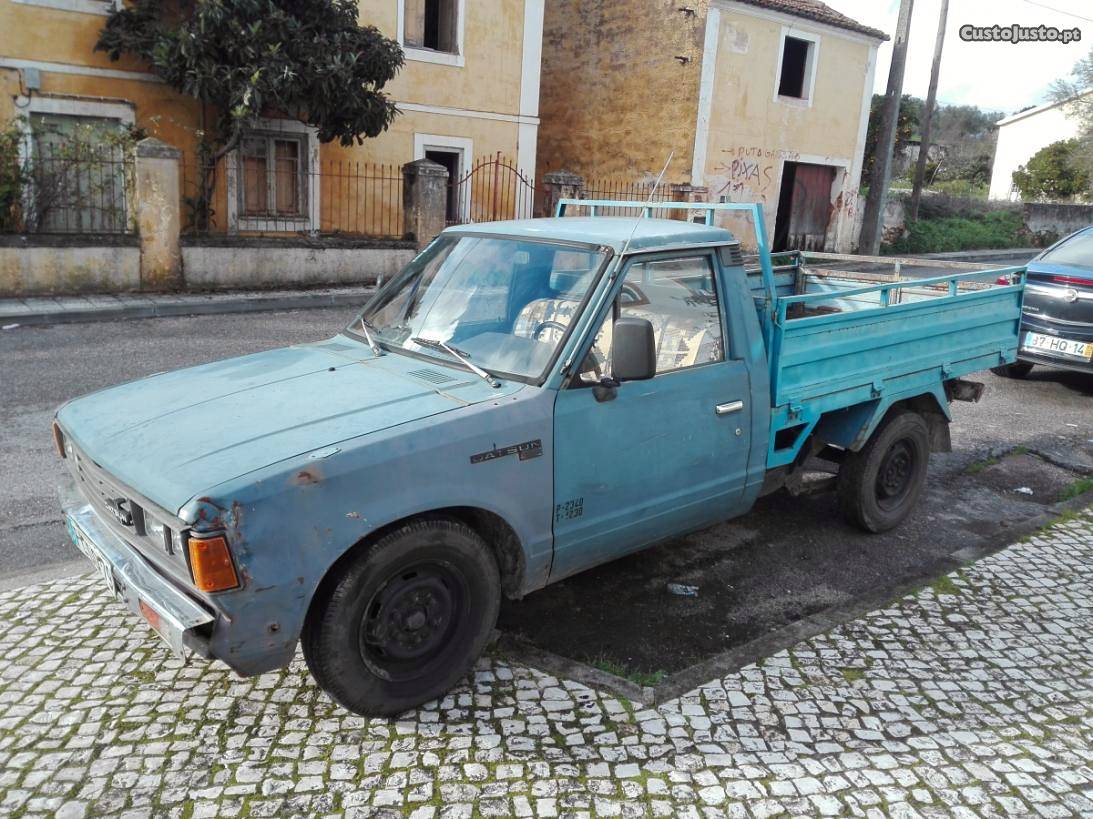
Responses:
[615,101]
[752,133]
[488,82]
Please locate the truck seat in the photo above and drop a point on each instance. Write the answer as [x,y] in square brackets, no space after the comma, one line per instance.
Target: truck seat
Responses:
[683,340]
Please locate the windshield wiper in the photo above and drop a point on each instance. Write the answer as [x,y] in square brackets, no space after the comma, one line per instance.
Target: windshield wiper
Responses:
[460,356]
[368,330]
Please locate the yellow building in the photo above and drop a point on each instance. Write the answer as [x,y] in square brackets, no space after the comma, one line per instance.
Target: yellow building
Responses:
[756,100]
[469,89]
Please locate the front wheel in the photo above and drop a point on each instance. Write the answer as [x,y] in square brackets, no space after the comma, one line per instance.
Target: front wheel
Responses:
[403,621]
[879,485]
[1018,369]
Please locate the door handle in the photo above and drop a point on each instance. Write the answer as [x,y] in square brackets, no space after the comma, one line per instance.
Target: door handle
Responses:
[729,408]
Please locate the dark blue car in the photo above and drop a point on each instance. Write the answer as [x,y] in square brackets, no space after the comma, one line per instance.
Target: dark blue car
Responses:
[1057,318]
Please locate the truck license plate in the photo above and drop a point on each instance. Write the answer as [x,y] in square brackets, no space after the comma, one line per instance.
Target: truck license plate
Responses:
[1058,346]
[79,539]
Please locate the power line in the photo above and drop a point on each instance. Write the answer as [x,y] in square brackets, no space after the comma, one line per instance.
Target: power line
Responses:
[1059,11]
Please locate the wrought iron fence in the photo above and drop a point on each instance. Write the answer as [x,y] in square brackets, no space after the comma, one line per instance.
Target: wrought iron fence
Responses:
[492,188]
[625,190]
[276,196]
[57,188]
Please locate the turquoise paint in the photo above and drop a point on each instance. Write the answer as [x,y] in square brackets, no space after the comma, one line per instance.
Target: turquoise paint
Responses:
[297,454]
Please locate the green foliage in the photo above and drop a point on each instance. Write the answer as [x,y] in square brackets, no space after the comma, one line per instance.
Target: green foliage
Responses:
[308,59]
[1078,487]
[12,177]
[1075,92]
[82,174]
[910,111]
[1054,172]
[961,188]
[994,229]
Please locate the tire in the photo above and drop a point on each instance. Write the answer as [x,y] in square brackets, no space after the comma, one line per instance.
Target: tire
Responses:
[402,621]
[1018,369]
[879,485]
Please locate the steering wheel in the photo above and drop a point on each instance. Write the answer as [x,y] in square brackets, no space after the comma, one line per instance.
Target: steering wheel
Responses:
[546,325]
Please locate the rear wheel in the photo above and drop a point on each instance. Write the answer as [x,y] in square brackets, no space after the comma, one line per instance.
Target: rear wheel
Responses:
[879,485]
[404,620]
[1018,369]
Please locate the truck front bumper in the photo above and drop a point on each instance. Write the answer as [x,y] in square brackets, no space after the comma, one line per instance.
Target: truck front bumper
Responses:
[182,622]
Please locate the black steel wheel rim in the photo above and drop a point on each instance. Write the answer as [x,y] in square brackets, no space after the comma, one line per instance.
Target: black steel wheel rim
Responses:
[411,619]
[896,474]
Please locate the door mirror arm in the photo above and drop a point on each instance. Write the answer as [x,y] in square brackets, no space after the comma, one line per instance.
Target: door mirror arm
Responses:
[606,389]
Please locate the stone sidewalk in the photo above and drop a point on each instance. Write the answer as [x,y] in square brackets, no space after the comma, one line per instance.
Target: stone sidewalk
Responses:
[973,697]
[63,309]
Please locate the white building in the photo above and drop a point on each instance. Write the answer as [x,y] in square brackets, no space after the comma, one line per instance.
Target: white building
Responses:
[1019,138]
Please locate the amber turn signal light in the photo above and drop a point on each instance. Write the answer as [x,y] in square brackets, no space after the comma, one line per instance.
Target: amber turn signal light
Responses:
[58,439]
[211,564]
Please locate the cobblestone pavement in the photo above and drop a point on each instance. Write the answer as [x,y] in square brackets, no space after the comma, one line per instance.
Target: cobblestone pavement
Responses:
[973,697]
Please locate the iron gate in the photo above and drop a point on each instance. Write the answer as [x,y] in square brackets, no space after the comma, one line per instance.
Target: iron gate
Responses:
[494,188]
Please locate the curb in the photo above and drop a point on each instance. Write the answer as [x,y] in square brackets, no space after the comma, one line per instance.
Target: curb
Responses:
[151,307]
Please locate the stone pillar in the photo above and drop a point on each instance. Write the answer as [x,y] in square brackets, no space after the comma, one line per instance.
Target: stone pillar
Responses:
[684,192]
[157,209]
[424,200]
[561,185]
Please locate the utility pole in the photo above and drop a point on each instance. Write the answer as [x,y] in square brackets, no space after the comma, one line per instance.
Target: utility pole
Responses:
[869,241]
[928,114]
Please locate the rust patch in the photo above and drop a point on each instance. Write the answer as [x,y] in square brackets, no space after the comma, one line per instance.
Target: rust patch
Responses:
[306,477]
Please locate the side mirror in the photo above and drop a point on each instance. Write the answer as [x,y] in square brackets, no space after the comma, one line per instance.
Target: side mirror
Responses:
[633,350]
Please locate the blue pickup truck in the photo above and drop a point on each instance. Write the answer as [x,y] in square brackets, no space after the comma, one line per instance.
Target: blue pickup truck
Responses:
[526,400]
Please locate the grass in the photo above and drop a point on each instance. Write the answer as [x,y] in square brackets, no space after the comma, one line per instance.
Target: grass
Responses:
[1079,487]
[852,674]
[642,678]
[987,463]
[944,585]
[994,229]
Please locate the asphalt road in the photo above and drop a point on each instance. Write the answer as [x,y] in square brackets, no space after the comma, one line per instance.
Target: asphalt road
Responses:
[925,270]
[40,367]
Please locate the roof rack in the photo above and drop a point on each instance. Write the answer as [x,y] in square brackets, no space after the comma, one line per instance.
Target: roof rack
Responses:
[707,208]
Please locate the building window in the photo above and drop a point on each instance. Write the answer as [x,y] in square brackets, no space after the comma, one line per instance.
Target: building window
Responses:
[797,66]
[274,176]
[432,24]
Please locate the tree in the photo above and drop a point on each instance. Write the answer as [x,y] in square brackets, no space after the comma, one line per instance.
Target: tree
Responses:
[1053,172]
[1077,93]
[307,59]
[910,110]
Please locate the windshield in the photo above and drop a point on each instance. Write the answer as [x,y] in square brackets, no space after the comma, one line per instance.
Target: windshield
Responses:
[505,304]
[1077,250]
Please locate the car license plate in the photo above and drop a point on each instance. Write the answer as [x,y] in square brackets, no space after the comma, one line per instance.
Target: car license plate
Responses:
[1052,345]
[81,542]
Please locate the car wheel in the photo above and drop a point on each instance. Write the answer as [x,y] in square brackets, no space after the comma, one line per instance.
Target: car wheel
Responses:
[402,621]
[1018,369]
[879,485]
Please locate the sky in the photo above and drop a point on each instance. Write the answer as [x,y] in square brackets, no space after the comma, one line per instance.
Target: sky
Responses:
[994,76]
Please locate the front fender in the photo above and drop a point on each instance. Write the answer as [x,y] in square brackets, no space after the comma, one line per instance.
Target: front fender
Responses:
[289,523]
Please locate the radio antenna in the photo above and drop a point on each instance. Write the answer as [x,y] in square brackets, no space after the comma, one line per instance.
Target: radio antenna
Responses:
[648,201]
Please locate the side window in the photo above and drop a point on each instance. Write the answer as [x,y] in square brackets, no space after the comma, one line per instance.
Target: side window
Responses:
[679,298]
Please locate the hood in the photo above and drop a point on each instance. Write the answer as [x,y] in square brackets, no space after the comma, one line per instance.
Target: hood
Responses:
[175,435]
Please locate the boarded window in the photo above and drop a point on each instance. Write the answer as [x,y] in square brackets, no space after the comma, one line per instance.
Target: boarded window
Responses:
[432,24]
[274,174]
[796,68]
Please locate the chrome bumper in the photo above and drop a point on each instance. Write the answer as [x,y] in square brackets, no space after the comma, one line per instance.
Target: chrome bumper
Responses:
[177,618]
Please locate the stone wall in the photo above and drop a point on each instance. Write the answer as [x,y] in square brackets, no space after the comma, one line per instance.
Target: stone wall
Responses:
[259,262]
[615,101]
[41,264]
[1047,221]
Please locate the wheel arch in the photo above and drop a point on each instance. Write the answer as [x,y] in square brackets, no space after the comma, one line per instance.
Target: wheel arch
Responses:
[852,427]
[491,527]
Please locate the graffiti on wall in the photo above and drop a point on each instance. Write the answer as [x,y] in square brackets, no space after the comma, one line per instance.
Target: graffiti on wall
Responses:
[748,173]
